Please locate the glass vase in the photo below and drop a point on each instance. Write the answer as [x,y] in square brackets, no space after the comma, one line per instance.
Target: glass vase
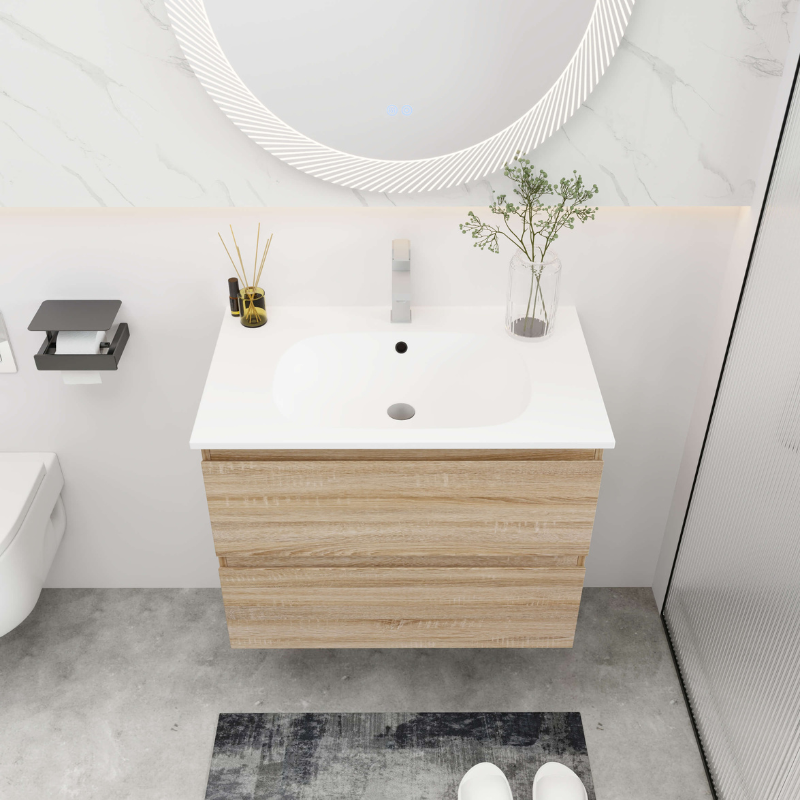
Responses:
[252,307]
[532,300]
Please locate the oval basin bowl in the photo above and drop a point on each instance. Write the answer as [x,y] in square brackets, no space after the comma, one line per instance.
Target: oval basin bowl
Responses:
[452,380]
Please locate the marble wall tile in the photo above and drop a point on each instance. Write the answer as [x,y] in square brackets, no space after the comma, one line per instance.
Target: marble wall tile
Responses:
[681,114]
[99,108]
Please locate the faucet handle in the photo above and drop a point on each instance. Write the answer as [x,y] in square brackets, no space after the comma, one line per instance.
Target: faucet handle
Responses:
[401,255]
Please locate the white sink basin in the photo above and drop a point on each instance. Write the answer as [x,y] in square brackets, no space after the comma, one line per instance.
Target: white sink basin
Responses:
[452,380]
[324,378]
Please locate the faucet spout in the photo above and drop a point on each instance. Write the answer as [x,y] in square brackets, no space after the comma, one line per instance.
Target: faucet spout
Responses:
[401,280]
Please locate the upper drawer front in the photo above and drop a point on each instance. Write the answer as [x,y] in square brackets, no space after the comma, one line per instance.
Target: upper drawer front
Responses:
[349,513]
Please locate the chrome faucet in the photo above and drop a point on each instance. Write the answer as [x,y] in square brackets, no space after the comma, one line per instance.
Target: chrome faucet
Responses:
[401,280]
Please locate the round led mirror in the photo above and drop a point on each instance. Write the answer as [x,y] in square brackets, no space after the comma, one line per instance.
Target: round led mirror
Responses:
[411,95]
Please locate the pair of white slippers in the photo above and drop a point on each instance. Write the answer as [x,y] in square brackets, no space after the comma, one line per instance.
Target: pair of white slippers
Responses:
[553,781]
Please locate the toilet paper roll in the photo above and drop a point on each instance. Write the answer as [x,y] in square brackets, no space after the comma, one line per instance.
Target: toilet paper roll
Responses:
[71,342]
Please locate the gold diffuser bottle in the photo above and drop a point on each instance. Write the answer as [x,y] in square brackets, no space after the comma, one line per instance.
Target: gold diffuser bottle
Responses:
[252,303]
[253,307]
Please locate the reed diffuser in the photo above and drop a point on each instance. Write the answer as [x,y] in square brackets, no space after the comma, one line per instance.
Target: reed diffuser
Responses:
[252,305]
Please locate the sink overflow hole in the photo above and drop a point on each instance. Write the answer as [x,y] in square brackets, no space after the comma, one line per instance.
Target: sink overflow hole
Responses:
[401,347]
[400,411]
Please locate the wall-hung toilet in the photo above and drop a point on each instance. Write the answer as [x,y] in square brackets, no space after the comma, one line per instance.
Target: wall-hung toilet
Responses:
[32,522]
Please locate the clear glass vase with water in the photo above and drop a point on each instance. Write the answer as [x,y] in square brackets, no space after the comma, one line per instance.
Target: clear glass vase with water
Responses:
[532,299]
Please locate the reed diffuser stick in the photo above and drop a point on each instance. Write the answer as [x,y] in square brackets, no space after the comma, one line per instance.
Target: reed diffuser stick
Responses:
[255,257]
[264,258]
[238,252]
[248,291]
[229,256]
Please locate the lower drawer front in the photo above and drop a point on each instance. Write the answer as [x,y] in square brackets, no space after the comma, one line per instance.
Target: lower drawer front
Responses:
[401,607]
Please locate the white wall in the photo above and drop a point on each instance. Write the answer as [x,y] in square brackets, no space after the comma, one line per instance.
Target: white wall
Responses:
[645,283]
[99,108]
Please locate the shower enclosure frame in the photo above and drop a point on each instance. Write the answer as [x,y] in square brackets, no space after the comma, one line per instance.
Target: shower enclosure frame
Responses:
[745,254]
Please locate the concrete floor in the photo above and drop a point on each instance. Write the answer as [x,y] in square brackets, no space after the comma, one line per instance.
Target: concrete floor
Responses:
[109,693]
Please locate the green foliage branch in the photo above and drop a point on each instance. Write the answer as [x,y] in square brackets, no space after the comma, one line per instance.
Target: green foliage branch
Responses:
[529,223]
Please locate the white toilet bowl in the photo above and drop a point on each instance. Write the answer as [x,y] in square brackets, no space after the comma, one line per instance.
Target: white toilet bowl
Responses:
[32,523]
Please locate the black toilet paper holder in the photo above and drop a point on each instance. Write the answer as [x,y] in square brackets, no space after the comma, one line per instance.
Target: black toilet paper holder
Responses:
[78,315]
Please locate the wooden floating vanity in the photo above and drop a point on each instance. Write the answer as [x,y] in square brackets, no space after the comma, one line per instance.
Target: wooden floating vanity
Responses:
[336,525]
[402,548]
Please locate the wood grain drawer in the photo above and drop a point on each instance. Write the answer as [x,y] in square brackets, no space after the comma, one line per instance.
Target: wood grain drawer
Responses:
[401,607]
[402,513]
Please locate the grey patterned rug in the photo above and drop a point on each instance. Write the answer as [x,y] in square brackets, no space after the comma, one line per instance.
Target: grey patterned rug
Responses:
[389,756]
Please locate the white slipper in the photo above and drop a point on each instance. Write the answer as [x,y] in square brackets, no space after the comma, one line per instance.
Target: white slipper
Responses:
[554,781]
[484,782]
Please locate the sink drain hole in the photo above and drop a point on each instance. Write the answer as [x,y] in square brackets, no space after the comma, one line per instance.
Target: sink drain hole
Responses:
[400,411]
